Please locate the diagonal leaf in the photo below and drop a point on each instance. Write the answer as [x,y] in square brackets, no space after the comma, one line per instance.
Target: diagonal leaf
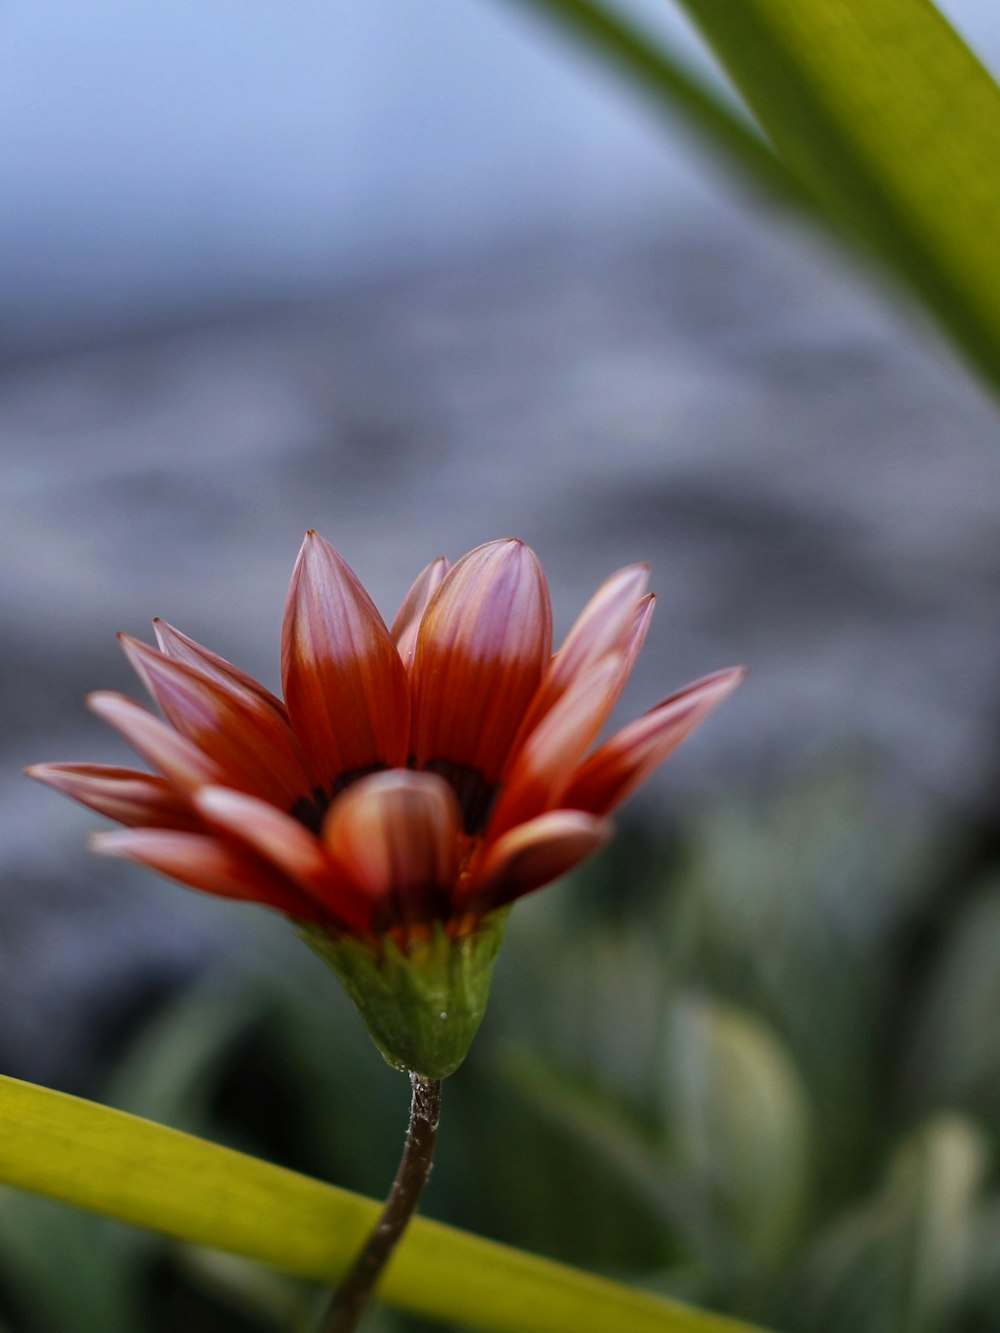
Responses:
[888,117]
[671,86]
[151,1176]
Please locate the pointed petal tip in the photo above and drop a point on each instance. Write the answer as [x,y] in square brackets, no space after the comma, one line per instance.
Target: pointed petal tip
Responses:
[720,683]
[109,843]
[482,646]
[99,701]
[53,775]
[345,685]
[130,644]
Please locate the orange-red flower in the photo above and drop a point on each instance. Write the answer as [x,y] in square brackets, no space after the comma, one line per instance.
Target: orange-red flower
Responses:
[431,773]
[413,783]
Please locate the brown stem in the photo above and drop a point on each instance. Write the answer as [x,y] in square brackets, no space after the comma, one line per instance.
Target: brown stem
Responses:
[353,1295]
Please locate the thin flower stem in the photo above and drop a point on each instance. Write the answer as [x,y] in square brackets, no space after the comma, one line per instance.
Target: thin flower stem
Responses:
[352,1297]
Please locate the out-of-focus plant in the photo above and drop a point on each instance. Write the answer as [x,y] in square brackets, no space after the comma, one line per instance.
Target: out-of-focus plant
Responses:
[701,1051]
[874,118]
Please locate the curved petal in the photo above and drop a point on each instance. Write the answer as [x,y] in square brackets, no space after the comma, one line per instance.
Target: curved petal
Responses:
[182,649]
[206,863]
[294,851]
[242,734]
[178,760]
[603,625]
[543,766]
[344,683]
[625,761]
[481,647]
[123,794]
[615,618]
[534,854]
[407,622]
[397,834]
[638,629]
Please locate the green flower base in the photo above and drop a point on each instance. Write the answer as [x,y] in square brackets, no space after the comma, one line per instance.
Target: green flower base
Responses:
[422,1005]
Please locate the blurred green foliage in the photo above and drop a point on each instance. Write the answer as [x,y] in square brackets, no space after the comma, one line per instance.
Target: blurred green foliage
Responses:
[681,1082]
[873,121]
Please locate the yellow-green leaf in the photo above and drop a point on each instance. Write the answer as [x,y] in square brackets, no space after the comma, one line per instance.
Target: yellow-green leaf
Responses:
[886,115]
[124,1167]
[653,69]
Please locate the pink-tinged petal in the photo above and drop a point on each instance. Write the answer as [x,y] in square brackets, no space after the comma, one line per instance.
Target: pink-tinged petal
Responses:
[638,629]
[615,618]
[240,732]
[182,649]
[481,648]
[626,760]
[123,794]
[407,622]
[534,854]
[605,624]
[345,685]
[208,864]
[178,760]
[294,851]
[397,834]
[544,765]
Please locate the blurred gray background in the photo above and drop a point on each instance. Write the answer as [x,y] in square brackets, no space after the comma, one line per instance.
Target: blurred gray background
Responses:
[418,274]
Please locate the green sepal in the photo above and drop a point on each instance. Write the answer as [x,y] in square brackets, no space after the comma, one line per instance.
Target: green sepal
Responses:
[422,1003]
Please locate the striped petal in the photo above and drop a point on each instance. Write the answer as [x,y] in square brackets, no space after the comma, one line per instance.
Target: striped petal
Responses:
[615,618]
[178,760]
[625,761]
[642,615]
[206,863]
[182,649]
[344,682]
[544,765]
[481,648]
[407,622]
[397,834]
[296,853]
[250,743]
[604,624]
[123,794]
[534,854]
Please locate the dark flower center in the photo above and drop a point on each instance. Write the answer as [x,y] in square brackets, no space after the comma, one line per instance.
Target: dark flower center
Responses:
[475,795]
[311,810]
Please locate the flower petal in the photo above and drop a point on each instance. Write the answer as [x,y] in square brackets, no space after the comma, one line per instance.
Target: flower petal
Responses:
[178,760]
[625,761]
[638,629]
[533,854]
[481,647]
[615,618]
[543,767]
[344,682]
[603,625]
[124,794]
[239,731]
[182,649]
[206,863]
[295,852]
[407,622]
[397,834]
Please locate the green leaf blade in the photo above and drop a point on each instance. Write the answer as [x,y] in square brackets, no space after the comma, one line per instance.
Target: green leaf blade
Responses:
[651,68]
[150,1176]
[891,120]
